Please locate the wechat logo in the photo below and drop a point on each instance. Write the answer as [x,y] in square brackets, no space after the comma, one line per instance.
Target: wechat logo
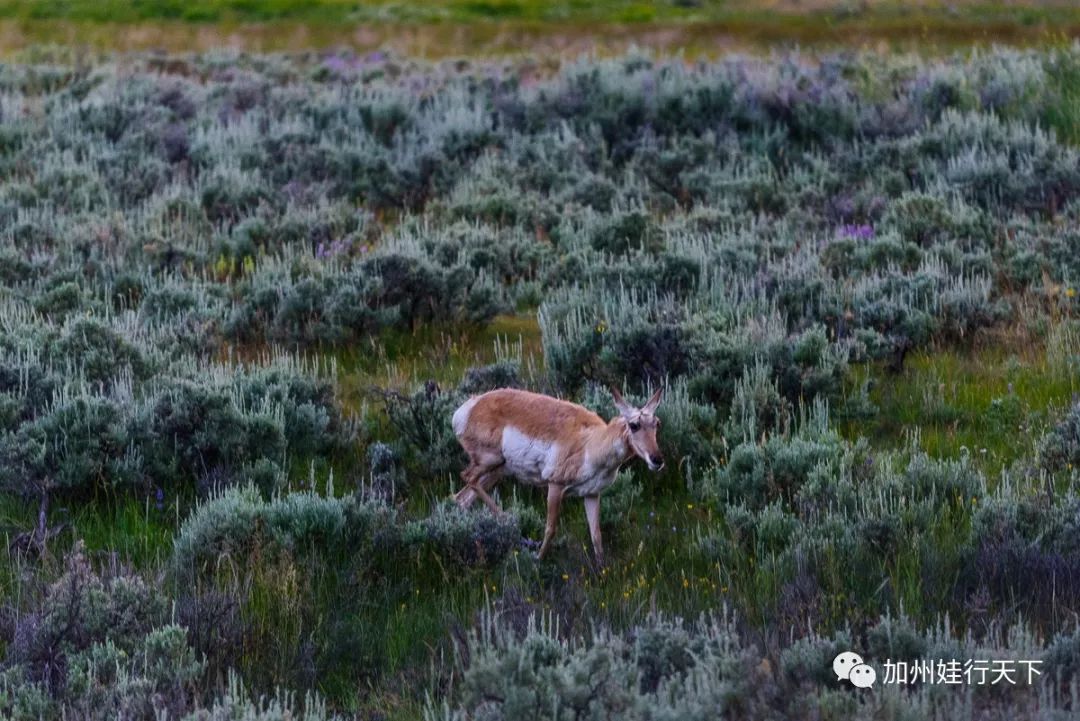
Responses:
[849,666]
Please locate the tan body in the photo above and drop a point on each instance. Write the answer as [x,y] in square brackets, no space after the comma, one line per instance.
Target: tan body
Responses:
[544,441]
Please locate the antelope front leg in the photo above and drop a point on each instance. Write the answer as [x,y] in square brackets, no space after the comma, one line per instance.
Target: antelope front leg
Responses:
[554,502]
[592,513]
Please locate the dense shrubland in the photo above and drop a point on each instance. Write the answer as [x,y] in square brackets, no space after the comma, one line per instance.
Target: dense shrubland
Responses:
[710,668]
[89,410]
[870,200]
[208,263]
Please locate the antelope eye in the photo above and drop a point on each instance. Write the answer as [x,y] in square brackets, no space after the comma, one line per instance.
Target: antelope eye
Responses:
[635,427]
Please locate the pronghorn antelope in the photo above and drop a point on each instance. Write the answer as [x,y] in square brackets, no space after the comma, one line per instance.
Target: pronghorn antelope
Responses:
[543,441]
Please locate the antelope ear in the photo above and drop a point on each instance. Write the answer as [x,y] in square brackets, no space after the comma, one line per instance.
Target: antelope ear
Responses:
[624,408]
[654,401]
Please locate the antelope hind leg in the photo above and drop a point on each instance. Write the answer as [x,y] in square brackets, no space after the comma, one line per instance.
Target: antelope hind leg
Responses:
[479,481]
[465,497]
[477,487]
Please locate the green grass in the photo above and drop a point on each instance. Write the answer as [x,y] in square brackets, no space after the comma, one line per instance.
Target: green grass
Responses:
[139,532]
[991,403]
[402,358]
[545,29]
[558,11]
[1064,115]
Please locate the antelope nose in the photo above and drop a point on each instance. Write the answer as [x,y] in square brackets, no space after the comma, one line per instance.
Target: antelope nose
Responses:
[657,460]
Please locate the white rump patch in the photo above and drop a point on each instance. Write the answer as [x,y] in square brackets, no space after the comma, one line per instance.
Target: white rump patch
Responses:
[460,419]
[528,459]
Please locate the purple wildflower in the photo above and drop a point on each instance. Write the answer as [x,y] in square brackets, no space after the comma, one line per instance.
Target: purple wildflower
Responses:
[336,248]
[336,63]
[862,231]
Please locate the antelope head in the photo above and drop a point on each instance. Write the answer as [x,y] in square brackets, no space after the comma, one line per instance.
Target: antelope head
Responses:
[641,427]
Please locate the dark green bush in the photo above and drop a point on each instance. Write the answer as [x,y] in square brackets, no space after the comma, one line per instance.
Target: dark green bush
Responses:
[192,428]
[97,351]
[239,524]
[686,671]
[465,538]
[79,445]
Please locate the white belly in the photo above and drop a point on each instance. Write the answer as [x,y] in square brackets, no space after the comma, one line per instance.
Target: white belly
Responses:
[534,461]
[530,460]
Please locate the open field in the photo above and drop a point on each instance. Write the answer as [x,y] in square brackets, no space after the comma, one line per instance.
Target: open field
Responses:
[565,28]
[241,295]
[1026,12]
